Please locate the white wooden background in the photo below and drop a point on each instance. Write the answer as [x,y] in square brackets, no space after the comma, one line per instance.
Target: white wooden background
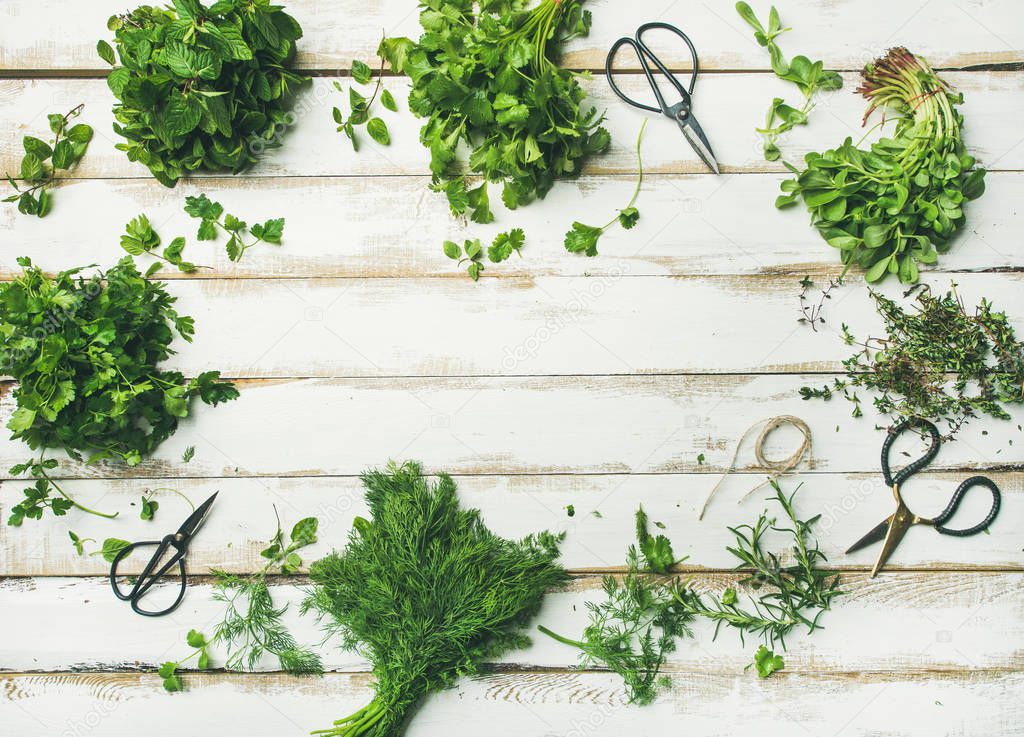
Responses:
[556,380]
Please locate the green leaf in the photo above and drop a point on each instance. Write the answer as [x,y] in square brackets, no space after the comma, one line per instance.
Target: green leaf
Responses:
[361,72]
[111,547]
[452,250]
[388,101]
[767,662]
[40,149]
[105,52]
[629,217]
[32,168]
[64,156]
[304,531]
[582,238]
[378,131]
[148,508]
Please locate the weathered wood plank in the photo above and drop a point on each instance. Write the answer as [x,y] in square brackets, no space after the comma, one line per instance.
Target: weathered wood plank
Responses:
[730,107]
[48,36]
[393,226]
[515,425]
[899,622]
[514,506]
[544,326]
[512,704]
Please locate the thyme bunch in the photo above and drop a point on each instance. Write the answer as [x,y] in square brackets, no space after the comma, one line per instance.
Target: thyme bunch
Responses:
[937,361]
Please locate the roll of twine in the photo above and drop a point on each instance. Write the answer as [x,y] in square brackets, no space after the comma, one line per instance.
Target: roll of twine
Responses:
[773,467]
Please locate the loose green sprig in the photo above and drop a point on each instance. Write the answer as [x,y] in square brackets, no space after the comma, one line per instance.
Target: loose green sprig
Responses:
[583,238]
[69,145]
[657,551]
[487,76]
[471,252]
[140,237]
[202,87]
[899,204]
[426,592]
[252,625]
[85,353]
[810,77]
[213,218]
[634,629]
[361,108]
[935,361]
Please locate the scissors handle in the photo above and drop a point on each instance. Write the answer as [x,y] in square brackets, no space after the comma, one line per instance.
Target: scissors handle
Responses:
[646,58]
[150,574]
[910,469]
[939,521]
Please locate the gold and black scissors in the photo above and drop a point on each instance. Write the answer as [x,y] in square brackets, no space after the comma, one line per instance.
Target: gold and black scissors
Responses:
[892,529]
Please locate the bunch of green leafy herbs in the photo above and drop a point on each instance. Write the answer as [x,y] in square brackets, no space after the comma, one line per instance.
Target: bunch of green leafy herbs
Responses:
[486,75]
[140,237]
[252,625]
[361,108]
[426,592]
[583,238]
[471,252]
[635,627]
[936,361]
[202,87]
[84,352]
[68,148]
[899,203]
[810,77]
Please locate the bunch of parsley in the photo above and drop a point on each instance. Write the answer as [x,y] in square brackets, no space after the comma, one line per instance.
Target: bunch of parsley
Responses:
[426,592]
[84,352]
[202,88]
[486,74]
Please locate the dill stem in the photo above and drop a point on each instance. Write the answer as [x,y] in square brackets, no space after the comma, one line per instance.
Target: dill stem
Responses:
[563,640]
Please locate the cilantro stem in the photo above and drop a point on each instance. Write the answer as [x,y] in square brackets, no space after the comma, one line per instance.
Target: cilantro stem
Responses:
[78,505]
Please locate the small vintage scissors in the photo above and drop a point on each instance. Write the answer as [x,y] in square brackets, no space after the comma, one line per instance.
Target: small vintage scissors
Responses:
[894,527]
[682,111]
[179,541]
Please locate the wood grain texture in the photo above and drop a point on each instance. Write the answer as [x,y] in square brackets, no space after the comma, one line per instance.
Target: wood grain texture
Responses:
[949,33]
[609,424]
[729,107]
[515,506]
[513,704]
[394,227]
[899,622]
[533,326]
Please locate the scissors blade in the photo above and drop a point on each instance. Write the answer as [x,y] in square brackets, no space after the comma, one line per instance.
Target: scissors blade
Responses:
[899,523]
[695,135]
[876,534]
[196,519]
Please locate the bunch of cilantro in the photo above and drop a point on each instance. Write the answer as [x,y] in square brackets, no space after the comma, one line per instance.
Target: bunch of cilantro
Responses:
[202,88]
[486,74]
[85,353]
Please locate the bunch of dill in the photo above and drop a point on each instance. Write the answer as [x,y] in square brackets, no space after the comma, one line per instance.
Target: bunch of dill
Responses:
[426,592]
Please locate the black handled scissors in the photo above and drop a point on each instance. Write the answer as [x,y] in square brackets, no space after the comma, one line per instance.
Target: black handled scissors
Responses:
[682,111]
[151,574]
[894,527]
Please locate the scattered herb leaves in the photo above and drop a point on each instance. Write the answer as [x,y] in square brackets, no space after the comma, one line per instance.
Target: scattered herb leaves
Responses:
[471,252]
[936,361]
[252,626]
[36,175]
[212,218]
[810,77]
